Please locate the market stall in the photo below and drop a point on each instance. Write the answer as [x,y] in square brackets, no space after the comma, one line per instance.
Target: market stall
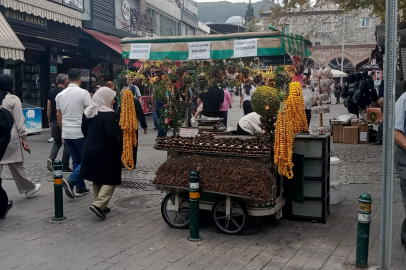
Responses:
[239,176]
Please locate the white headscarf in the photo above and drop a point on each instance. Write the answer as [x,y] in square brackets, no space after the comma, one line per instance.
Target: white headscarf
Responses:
[101,102]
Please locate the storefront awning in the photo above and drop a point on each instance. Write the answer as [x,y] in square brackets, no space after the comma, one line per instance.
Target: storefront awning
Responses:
[46,9]
[269,43]
[110,41]
[10,46]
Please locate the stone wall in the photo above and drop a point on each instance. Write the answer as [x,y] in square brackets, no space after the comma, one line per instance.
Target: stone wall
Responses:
[359,41]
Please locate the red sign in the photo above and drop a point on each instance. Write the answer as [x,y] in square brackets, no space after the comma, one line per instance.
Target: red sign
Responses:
[146,104]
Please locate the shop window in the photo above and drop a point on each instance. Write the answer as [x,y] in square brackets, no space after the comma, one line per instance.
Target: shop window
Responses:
[76,4]
[365,22]
[101,74]
[285,28]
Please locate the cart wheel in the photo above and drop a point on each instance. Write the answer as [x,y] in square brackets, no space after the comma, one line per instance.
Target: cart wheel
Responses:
[235,223]
[176,218]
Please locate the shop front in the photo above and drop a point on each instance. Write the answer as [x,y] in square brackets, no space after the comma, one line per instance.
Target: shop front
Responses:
[39,28]
[51,42]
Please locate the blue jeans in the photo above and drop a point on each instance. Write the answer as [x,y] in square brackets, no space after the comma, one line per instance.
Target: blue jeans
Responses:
[159,107]
[155,117]
[76,149]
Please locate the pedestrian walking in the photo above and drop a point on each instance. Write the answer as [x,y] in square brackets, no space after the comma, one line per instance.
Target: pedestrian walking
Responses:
[62,82]
[337,93]
[154,114]
[245,100]
[101,162]
[193,99]
[70,104]
[226,105]
[6,124]
[306,91]
[400,154]
[14,156]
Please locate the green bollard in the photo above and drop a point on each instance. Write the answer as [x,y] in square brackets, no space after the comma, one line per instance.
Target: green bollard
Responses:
[364,212]
[194,206]
[58,191]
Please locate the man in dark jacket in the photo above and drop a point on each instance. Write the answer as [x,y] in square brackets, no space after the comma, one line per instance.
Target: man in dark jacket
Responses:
[6,124]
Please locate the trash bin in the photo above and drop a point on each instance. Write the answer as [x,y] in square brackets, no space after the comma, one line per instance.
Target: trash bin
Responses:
[334,180]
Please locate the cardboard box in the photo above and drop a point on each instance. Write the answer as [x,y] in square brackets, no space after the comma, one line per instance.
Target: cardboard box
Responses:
[338,133]
[363,133]
[350,135]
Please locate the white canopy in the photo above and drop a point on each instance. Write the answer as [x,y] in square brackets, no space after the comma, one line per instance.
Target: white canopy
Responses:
[338,74]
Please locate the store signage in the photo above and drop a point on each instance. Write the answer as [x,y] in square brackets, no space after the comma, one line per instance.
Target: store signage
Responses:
[140,51]
[245,47]
[189,132]
[126,10]
[25,18]
[53,69]
[199,50]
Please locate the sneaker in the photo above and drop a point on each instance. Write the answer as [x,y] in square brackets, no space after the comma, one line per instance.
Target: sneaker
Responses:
[99,213]
[9,206]
[68,186]
[51,140]
[33,191]
[82,192]
[107,210]
[50,164]
[67,170]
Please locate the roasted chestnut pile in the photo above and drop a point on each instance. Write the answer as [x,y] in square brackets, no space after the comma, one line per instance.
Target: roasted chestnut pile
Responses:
[209,144]
[228,175]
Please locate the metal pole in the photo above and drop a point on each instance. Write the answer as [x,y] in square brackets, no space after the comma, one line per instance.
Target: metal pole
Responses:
[342,50]
[58,191]
[194,196]
[391,26]
[364,221]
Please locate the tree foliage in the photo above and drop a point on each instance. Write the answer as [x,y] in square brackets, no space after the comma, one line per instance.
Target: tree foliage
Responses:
[377,7]
[249,13]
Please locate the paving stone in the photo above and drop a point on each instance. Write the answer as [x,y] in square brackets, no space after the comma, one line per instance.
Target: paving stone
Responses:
[139,238]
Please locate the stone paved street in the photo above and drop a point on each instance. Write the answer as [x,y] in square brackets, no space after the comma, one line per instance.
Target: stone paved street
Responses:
[134,236]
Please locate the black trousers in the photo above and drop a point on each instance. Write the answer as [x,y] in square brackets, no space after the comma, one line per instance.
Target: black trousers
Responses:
[224,116]
[308,117]
[379,137]
[3,200]
[135,149]
[246,106]
[240,131]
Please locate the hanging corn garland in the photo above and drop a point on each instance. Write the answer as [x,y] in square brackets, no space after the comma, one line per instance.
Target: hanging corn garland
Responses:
[296,108]
[284,137]
[129,125]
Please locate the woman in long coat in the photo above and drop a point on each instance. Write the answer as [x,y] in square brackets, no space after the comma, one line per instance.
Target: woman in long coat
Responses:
[101,161]
[14,156]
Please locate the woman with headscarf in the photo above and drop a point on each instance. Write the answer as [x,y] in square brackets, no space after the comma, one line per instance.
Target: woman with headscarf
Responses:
[101,162]
[14,156]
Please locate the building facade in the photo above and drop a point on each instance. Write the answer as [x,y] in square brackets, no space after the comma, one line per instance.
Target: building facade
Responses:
[328,28]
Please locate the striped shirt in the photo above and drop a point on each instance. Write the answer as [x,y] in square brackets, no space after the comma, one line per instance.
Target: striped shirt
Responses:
[400,111]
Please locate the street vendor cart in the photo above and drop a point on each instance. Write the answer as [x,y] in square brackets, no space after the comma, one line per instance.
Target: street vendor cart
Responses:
[239,176]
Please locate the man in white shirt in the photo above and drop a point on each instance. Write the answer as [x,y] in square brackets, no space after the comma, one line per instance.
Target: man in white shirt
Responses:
[250,125]
[307,100]
[70,104]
